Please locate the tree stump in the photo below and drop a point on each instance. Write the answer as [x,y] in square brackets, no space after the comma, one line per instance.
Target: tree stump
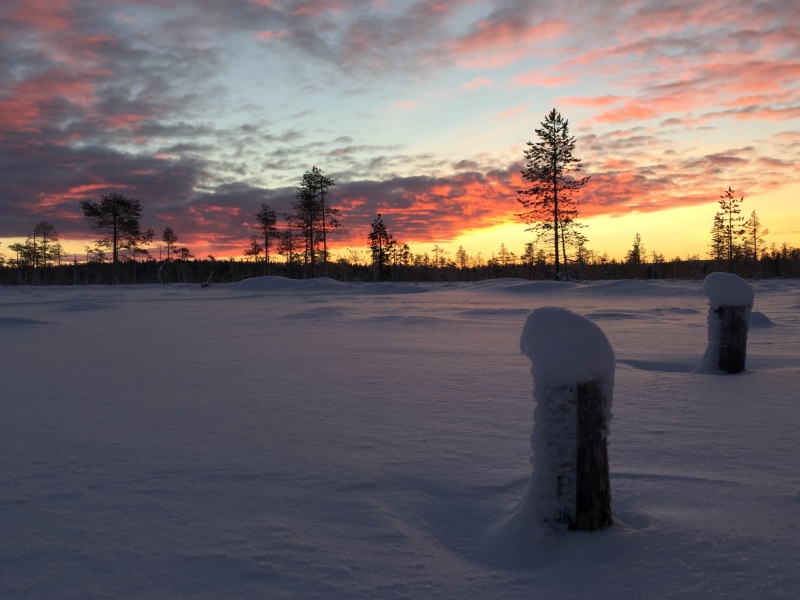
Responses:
[573,366]
[730,301]
[733,328]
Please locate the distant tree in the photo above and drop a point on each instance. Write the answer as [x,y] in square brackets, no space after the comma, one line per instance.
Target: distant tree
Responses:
[718,241]
[314,217]
[266,220]
[549,167]
[169,238]
[254,250]
[380,243]
[462,258]
[730,209]
[184,255]
[503,256]
[117,217]
[287,247]
[754,233]
[529,257]
[47,234]
[636,255]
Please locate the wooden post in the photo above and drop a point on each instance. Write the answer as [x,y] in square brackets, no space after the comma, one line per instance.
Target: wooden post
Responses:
[733,327]
[573,366]
[593,486]
[730,300]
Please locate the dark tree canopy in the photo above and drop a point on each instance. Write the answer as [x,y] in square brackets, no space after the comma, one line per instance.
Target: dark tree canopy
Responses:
[117,219]
[549,202]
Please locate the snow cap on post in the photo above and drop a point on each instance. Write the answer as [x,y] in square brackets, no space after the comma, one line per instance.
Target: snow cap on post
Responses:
[567,348]
[725,289]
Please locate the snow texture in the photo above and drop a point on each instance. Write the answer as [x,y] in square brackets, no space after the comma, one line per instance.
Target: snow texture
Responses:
[722,290]
[726,289]
[565,349]
[188,443]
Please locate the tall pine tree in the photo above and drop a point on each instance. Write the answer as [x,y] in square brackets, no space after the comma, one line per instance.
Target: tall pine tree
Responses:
[550,167]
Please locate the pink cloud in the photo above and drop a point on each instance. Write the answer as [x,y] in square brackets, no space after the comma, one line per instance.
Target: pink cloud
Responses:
[512,111]
[407,104]
[268,36]
[534,78]
[477,83]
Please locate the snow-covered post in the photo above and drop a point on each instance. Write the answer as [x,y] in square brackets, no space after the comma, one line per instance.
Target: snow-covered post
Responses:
[572,365]
[730,300]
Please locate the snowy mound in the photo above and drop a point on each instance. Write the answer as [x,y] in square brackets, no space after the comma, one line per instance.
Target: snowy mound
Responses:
[388,287]
[273,283]
[567,348]
[759,319]
[635,287]
[725,289]
[514,285]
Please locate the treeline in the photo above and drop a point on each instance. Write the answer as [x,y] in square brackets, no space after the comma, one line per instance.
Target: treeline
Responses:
[403,266]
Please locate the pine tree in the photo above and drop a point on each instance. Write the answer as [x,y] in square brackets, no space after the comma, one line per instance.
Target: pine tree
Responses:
[380,243]
[47,233]
[266,219]
[314,216]
[730,208]
[718,241]
[462,259]
[549,167]
[254,250]
[118,218]
[636,254]
[754,233]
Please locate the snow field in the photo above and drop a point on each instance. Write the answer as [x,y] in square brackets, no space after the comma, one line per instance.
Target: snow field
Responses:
[319,440]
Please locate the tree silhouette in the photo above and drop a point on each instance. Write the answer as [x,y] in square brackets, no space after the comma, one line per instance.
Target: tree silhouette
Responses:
[549,165]
[266,219]
[755,233]
[169,238]
[730,210]
[118,218]
[380,243]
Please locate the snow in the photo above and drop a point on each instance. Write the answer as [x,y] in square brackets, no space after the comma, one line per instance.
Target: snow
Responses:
[565,350]
[726,289]
[173,441]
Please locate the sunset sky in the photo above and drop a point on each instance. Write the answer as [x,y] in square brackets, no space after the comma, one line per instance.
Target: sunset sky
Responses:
[419,110]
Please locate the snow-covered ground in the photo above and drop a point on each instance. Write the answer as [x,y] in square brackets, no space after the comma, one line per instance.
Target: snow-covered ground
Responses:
[286,439]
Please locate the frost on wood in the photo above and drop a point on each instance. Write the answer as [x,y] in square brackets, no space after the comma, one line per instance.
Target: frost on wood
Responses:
[572,365]
[730,300]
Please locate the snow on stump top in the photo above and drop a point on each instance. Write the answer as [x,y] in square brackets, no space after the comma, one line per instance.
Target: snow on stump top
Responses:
[725,289]
[730,301]
[572,365]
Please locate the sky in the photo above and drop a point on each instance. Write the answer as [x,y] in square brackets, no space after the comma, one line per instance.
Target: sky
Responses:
[419,110]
